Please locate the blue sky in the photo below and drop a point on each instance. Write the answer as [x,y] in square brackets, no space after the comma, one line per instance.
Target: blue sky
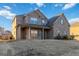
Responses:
[8,11]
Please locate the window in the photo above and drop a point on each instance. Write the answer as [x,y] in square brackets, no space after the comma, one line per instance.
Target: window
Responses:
[58,31]
[34,34]
[62,21]
[37,21]
[65,32]
[33,20]
[43,22]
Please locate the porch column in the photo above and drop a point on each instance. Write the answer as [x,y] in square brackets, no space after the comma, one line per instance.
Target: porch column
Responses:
[43,32]
[29,33]
[18,35]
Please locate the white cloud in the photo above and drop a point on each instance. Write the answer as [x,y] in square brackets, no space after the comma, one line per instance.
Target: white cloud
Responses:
[6,12]
[6,7]
[69,5]
[73,20]
[58,5]
[35,8]
[40,4]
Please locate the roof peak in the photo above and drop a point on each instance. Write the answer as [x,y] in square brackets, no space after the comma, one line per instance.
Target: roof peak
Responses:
[61,14]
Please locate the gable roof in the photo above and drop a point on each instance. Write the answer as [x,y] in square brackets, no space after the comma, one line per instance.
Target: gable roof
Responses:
[38,12]
[35,11]
[53,19]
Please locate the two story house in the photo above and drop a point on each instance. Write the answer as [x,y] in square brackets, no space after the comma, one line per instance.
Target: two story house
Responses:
[35,25]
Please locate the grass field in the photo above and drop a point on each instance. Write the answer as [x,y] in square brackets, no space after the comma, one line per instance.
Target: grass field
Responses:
[40,48]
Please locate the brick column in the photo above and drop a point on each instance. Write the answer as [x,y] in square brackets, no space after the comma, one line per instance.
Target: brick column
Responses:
[43,32]
[29,33]
[18,34]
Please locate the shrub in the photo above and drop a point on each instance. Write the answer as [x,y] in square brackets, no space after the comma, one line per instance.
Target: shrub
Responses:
[57,37]
[71,37]
[64,37]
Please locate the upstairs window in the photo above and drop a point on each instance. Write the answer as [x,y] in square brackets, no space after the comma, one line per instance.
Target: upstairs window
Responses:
[58,31]
[37,21]
[43,22]
[62,22]
[65,33]
[33,20]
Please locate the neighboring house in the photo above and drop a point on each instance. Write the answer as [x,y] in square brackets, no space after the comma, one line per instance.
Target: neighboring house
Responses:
[36,26]
[7,35]
[74,30]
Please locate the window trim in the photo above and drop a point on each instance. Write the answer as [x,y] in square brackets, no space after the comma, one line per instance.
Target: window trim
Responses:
[33,20]
[62,21]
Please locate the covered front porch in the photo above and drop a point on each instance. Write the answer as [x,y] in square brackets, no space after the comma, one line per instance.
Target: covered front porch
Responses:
[33,32]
